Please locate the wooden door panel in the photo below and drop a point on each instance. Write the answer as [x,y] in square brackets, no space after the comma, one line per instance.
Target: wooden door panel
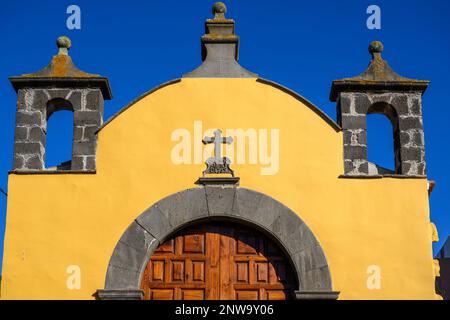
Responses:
[162,294]
[177,271]
[158,267]
[198,271]
[247,295]
[262,272]
[188,294]
[275,295]
[194,243]
[218,261]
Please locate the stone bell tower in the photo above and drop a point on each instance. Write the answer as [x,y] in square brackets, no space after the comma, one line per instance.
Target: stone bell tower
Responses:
[379,90]
[59,86]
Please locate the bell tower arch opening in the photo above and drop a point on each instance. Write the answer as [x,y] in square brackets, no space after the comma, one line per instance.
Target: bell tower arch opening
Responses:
[383,140]
[59,134]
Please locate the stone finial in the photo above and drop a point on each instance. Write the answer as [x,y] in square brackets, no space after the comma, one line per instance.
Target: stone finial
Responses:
[378,76]
[218,10]
[64,45]
[375,49]
[63,69]
[220,49]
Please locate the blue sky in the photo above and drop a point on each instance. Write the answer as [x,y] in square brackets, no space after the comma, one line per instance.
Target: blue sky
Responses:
[303,45]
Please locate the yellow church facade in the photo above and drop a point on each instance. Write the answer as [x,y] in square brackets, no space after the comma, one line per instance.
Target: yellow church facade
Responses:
[288,206]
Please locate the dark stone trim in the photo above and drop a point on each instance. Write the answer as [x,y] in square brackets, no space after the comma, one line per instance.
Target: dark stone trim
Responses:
[306,102]
[403,176]
[316,295]
[44,172]
[142,96]
[339,86]
[348,176]
[381,176]
[51,83]
[209,203]
[120,294]
[218,181]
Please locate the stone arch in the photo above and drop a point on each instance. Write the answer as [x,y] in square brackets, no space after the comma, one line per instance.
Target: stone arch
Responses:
[179,210]
[58,104]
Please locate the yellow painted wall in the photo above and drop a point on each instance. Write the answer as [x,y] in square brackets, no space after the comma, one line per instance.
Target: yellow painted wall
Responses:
[57,220]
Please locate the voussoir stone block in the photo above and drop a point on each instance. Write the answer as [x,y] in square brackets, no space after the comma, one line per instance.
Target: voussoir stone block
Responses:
[220,199]
[155,222]
[75,100]
[184,207]
[317,280]
[128,257]
[246,203]
[127,262]
[256,207]
[121,278]
[138,238]
[310,257]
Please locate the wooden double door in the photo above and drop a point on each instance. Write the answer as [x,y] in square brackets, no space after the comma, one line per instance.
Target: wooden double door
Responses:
[218,261]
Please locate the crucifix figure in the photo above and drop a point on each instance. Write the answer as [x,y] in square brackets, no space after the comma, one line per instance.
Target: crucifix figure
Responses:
[218,164]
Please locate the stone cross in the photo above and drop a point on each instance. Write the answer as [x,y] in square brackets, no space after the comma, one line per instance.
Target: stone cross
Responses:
[218,140]
[218,164]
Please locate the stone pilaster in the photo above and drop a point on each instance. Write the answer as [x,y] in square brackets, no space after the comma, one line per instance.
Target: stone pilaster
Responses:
[411,139]
[87,120]
[30,132]
[353,123]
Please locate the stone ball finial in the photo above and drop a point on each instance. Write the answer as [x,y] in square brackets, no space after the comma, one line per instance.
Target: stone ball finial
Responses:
[63,42]
[219,8]
[376,47]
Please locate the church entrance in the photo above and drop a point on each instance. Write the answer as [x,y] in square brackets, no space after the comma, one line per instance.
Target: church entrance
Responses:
[215,261]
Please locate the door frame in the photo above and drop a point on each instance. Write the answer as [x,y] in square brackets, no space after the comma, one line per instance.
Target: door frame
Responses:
[217,202]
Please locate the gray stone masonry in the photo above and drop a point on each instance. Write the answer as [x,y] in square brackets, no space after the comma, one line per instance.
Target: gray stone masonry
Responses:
[36,105]
[404,109]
